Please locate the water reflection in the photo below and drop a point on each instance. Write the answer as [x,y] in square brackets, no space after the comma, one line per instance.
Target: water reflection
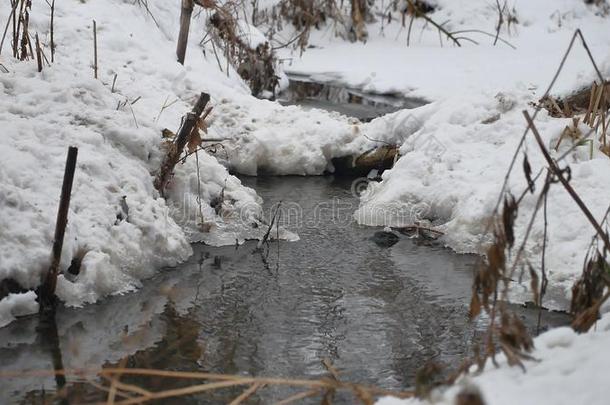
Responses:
[351,102]
[378,313]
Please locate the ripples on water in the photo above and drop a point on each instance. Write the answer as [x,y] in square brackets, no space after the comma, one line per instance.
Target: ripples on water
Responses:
[377,313]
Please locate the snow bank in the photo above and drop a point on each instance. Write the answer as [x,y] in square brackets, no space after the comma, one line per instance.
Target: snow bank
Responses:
[117,219]
[451,169]
[569,369]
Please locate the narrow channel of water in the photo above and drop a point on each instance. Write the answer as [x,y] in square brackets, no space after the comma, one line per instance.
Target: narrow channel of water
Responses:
[378,313]
[365,106]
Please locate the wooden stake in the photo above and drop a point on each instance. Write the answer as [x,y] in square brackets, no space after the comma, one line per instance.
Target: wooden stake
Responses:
[94,49]
[46,292]
[185,23]
[52,30]
[173,154]
[38,54]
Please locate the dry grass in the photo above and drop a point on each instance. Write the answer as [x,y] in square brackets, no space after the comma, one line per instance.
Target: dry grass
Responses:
[125,394]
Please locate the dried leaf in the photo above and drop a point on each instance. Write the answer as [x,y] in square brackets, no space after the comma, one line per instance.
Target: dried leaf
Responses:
[509,214]
[475,306]
[534,285]
[194,140]
[587,318]
[469,395]
[514,335]
[527,169]
[168,134]
[588,289]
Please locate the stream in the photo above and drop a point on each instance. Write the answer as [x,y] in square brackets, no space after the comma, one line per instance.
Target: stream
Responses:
[378,313]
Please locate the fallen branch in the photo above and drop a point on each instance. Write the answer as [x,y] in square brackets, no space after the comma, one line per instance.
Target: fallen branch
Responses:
[176,147]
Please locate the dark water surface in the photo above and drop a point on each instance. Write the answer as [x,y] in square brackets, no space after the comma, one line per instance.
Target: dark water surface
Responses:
[351,102]
[377,313]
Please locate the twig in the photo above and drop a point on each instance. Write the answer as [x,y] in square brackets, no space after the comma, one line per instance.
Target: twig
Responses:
[10,16]
[266,236]
[94,49]
[500,20]
[438,26]
[112,392]
[484,33]
[38,54]
[164,106]
[247,393]
[543,281]
[298,397]
[52,6]
[199,189]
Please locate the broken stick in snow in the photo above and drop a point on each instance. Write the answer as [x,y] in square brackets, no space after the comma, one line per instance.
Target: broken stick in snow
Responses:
[185,23]
[38,54]
[46,292]
[94,49]
[173,154]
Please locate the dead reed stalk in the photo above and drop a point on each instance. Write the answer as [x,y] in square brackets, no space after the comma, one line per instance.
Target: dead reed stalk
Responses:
[185,23]
[94,49]
[38,54]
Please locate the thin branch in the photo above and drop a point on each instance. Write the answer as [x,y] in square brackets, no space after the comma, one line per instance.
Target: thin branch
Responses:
[558,173]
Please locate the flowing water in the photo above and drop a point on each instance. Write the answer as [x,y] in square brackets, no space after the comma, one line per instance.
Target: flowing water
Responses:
[378,313]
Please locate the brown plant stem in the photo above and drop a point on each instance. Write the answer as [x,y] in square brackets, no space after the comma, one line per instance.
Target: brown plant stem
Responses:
[558,173]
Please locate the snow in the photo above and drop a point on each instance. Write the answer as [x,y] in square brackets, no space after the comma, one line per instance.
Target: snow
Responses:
[384,64]
[452,167]
[118,135]
[250,35]
[568,369]
[15,305]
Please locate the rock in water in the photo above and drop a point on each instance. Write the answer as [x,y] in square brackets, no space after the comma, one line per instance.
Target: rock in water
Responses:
[385,238]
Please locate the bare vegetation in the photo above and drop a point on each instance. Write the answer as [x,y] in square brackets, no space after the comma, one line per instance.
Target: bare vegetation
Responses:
[504,263]
[324,388]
